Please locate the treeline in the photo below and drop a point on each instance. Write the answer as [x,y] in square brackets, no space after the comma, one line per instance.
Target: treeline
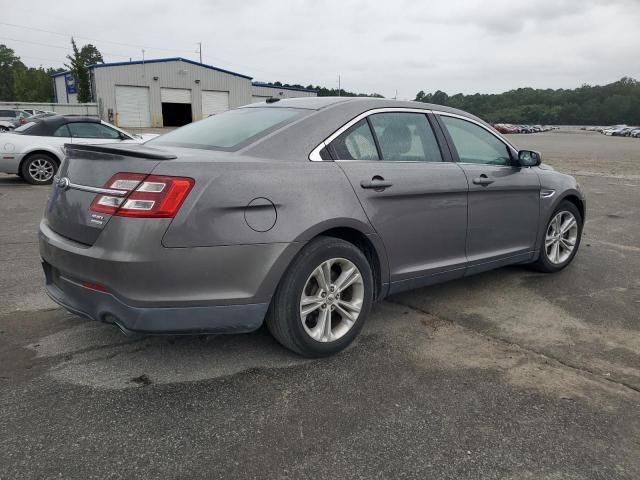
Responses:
[615,103]
[328,92]
[21,83]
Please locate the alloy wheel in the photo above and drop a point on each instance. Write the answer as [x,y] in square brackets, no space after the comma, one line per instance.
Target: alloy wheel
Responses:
[561,237]
[41,170]
[331,300]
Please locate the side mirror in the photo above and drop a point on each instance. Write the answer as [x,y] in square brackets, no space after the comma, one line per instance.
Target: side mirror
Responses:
[529,158]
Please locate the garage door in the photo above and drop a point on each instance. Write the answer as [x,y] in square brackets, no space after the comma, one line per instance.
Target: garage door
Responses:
[214,102]
[132,106]
[258,99]
[175,95]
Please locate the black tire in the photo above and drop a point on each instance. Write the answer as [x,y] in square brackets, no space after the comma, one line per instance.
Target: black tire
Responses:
[544,264]
[50,163]
[284,319]
[3,129]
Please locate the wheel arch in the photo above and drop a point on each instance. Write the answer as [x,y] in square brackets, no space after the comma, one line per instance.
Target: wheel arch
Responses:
[574,198]
[365,244]
[350,230]
[36,151]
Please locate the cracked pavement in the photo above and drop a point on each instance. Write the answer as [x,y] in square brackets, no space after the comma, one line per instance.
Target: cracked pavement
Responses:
[510,374]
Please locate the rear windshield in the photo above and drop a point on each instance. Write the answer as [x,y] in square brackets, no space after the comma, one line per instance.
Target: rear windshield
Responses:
[229,130]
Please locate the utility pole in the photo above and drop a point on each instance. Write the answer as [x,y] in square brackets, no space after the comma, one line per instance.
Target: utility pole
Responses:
[200,50]
[339,87]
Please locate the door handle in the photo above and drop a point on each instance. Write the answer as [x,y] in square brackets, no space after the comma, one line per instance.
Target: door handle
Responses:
[376,183]
[482,180]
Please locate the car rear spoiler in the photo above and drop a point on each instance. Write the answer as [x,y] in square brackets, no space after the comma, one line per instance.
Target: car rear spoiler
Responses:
[129,150]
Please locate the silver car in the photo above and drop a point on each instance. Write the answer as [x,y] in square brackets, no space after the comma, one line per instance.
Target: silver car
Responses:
[300,213]
[34,150]
[9,117]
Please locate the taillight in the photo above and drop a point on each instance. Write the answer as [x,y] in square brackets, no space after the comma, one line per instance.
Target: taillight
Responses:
[149,196]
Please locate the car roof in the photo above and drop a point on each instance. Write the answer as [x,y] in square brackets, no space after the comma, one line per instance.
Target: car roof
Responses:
[323,117]
[368,103]
[46,126]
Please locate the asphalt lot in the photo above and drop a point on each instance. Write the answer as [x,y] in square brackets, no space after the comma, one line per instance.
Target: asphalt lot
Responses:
[510,374]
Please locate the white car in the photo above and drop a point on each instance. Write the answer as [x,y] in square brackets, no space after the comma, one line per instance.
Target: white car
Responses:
[609,131]
[9,117]
[35,150]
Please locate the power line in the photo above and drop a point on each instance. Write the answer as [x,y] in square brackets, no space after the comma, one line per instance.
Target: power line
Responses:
[39,58]
[96,40]
[55,46]
[217,59]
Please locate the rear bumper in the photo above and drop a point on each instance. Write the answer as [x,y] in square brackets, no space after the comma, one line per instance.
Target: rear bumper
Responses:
[153,289]
[105,307]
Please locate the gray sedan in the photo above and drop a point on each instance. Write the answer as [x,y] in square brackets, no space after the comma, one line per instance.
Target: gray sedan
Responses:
[299,213]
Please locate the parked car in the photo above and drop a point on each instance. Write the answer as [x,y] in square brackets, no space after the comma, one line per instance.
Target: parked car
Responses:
[8,117]
[23,120]
[35,150]
[635,133]
[33,111]
[300,213]
[609,131]
[625,132]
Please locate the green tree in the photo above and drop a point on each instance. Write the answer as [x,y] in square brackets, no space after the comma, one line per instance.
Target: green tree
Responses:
[33,84]
[617,102]
[78,65]
[327,92]
[91,55]
[8,63]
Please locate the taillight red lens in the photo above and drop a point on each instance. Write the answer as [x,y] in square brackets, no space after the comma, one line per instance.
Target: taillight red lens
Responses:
[148,196]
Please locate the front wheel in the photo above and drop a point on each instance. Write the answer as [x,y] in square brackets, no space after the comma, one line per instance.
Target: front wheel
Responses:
[561,239]
[39,169]
[323,300]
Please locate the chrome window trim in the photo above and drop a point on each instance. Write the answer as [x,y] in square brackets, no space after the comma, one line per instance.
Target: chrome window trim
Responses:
[314,156]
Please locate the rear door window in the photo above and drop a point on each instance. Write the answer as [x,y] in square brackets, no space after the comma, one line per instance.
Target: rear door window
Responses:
[405,137]
[229,130]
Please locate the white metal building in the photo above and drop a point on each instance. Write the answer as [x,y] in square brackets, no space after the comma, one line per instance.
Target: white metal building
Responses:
[261,91]
[167,92]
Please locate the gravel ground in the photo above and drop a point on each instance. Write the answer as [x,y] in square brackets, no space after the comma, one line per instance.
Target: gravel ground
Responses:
[506,375]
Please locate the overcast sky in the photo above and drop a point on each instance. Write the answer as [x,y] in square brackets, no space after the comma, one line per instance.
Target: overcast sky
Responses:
[454,45]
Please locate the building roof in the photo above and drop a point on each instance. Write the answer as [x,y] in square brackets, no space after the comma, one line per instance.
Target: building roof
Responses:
[165,60]
[59,73]
[280,87]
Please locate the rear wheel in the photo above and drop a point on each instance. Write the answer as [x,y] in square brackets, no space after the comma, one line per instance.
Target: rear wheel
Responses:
[39,169]
[561,239]
[323,300]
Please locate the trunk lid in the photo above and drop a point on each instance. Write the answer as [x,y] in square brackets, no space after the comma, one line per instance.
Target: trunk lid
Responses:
[89,167]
